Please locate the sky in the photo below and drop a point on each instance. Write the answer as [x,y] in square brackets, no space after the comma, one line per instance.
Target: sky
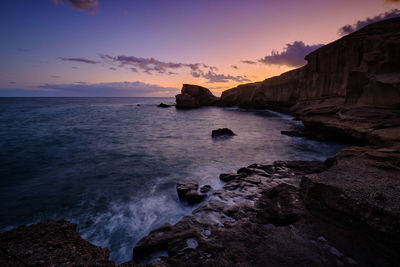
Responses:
[151,47]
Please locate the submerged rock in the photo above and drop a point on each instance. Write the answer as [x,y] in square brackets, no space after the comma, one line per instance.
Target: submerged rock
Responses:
[162,105]
[222,132]
[205,188]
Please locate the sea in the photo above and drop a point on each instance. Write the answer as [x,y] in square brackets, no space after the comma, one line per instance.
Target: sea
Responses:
[111,165]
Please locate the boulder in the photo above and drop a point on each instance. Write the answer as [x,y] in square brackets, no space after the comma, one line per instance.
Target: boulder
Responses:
[183,187]
[222,132]
[194,96]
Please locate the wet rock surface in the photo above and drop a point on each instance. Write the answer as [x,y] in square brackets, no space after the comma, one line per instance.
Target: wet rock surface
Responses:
[187,191]
[277,215]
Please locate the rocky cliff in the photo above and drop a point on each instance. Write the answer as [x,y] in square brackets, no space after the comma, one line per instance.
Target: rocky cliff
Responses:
[362,68]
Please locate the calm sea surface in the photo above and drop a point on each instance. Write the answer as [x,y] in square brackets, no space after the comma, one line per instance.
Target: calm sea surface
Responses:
[111,164]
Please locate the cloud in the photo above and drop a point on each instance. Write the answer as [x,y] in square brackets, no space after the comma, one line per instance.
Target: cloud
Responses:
[213,77]
[154,66]
[112,68]
[392,1]
[248,62]
[82,89]
[234,67]
[346,29]
[91,6]
[12,82]
[81,60]
[292,55]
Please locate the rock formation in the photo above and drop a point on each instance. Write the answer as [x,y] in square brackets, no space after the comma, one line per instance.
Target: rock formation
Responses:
[360,69]
[194,96]
[294,213]
[52,243]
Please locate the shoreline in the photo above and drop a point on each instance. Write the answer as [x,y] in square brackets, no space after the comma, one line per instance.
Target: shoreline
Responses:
[278,198]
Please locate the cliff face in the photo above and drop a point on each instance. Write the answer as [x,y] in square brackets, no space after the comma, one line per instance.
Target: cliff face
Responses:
[362,69]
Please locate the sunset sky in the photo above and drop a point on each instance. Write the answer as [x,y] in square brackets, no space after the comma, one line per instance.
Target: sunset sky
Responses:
[151,47]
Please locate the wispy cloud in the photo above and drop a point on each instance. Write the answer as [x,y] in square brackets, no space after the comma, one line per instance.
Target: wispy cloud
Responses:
[91,6]
[346,29]
[234,67]
[213,77]
[392,1]
[78,59]
[251,62]
[150,65]
[292,55]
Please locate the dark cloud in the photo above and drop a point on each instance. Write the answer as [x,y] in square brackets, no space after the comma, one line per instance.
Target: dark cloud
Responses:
[346,29]
[292,55]
[112,68]
[120,89]
[248,62]
[82,60]
[152,65]
[12,82]
[75,68]
[235,67]
[392,1]
[55,76]
[91,6]
[213,77]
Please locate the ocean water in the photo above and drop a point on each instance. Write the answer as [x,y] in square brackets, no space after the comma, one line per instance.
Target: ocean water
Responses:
[111,164]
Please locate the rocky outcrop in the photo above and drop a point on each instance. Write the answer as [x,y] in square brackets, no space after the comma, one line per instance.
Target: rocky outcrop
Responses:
[298,208]
[52,243]
[194,96]
[360,69]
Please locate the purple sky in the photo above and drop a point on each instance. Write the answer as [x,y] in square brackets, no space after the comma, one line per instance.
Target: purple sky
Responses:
[149,48]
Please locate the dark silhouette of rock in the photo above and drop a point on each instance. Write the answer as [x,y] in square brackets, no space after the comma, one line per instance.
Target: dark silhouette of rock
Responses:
[162,105]
[222,132]
[51,243]
[194,96]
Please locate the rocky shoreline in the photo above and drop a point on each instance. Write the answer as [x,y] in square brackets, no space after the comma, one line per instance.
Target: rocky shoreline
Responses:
[341,212]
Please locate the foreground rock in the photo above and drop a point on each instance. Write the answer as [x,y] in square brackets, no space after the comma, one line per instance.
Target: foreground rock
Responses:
[194,96]
[222,132]
[52,243]
[294,213]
